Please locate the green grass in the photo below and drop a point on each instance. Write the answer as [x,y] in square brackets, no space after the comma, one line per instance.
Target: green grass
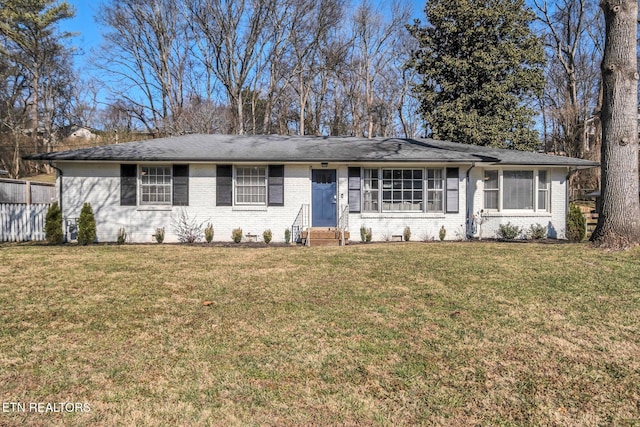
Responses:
[389,334]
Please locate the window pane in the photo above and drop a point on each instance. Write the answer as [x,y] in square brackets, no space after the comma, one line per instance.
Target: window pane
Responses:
[542,200]
[543,190]
[434,201]
[369,191]
[491,199]
[491,180]
[542,180]
[518,189]
[155,184]
[407,185]
[251,185]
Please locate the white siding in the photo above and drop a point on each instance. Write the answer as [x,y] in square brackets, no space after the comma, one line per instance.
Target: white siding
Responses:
[99,184]
[424,226]
[554,220]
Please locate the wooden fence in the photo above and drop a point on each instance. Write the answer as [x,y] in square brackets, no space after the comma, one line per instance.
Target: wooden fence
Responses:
[591,217]
[23,208]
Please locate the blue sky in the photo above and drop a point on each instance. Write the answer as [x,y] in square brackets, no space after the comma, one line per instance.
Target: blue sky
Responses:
[83,23]
[89,33]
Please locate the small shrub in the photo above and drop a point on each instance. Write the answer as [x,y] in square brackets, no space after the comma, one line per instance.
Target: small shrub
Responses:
[208,233]
[406,234]
[187,229]
[236,235]
[267,236]
[122,236]
[365,234]
[508,231]
[426,237]
[287,236]
[461,233]
[576,224]
[537,232]
[53,225]
[159,234]
[442,233]
[86,225]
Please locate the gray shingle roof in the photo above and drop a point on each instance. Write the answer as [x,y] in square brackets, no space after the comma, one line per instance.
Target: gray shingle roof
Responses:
[272,148]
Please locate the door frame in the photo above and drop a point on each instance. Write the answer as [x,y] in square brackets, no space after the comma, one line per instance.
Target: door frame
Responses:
[335,195]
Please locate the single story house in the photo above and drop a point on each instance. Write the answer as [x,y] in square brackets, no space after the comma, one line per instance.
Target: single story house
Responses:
[293,182]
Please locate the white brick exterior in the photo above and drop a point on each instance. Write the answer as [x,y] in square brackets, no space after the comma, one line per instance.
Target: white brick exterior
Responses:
[554,218]
[99,184]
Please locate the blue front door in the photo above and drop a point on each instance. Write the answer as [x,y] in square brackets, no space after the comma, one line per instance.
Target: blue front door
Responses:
[323,198]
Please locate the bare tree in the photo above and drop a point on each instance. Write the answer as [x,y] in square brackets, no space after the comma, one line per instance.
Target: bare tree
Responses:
[619,220]
[145,55]
[374,44]
[230,38]
[573,79]
[312,31]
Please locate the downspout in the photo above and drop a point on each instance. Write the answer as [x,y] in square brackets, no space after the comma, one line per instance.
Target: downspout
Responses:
[567,196]
[469,202]
[60,174]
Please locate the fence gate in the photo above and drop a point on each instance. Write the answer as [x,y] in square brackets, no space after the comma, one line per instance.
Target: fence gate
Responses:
[23,209]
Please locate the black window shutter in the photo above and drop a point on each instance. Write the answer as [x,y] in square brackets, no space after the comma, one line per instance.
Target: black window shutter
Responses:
[128,185]
[354,190]
[224,185]
[453,189]
[276,185]
[181,185]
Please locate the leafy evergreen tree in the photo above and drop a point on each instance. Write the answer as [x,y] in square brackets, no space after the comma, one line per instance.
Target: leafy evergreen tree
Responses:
[86,225]
[53,225]
[480,64]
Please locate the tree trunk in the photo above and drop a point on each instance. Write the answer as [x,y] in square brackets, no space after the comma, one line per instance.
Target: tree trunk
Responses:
[619,222]
[240,111]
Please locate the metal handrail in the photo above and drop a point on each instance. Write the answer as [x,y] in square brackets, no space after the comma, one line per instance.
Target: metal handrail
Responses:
[300,223]
[343,223]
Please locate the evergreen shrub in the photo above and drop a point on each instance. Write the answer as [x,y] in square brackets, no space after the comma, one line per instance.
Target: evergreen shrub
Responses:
[86,225]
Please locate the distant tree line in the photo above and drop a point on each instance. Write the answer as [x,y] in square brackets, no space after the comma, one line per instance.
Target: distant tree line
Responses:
[490,72]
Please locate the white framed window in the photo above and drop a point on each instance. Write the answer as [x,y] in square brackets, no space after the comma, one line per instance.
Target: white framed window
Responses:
[251,185]
[543,190]
[522,189]
[517,190]
[435,190]
[491,190]
[371,190]
[402,189]
[155,185]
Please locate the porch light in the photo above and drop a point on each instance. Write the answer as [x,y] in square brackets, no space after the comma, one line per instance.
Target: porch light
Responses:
[324,164]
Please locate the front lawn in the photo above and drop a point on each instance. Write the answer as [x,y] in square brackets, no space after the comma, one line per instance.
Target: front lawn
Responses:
[386,334]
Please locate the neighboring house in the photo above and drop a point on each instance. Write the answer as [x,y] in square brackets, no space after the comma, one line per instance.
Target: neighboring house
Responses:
[279,182]
[80,132]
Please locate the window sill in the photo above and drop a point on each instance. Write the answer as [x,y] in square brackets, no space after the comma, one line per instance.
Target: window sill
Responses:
[249,208]
[516,213]
[154,208]
[377,215]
